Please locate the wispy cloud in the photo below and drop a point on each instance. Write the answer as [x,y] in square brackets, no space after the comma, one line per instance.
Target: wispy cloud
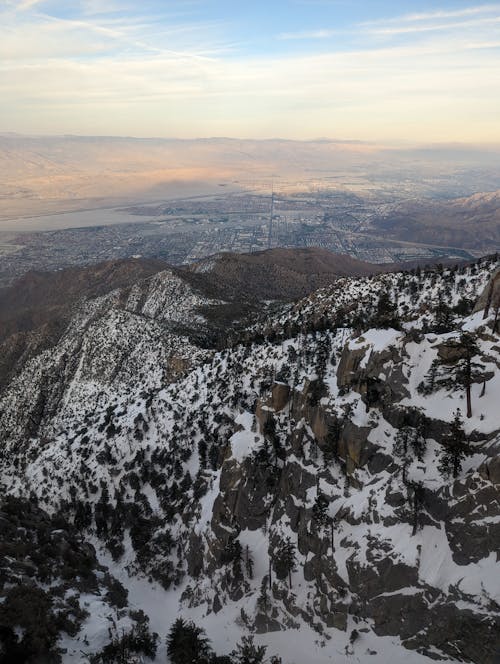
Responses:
[418,27]
[308,34]
[90,71]
[92,32]
[435,21]
[438,14]
[21,5]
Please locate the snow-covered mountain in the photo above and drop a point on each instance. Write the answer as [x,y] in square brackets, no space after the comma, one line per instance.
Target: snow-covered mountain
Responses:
[314,481]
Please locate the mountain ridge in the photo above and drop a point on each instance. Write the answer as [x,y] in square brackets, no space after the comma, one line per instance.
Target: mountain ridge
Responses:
[182,463]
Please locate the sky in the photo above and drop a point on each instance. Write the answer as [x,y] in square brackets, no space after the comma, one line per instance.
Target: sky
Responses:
[372,70]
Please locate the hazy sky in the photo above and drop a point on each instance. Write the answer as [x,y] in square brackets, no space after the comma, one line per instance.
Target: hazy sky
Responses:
[370,70]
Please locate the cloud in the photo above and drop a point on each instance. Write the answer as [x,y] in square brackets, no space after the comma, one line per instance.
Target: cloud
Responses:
[98,73]
[43,35]
[359,93]
[438,14]
[20,5]
[414,27]
[435,21]
[308,34]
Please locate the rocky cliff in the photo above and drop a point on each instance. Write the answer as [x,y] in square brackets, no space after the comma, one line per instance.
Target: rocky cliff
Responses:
[313,475]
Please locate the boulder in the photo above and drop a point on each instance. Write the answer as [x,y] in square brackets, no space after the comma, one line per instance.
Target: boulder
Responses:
[490,470]
[279,396]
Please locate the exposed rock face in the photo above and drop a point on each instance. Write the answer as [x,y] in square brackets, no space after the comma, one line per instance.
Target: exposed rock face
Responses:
[491,295]
[491,470]
[279,396]
[378,376]
[347,374]
[198,469]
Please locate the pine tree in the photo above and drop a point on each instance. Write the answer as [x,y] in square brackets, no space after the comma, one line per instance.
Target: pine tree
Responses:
[466,368]
[401,447]
[83,515]
[248,653]
[283,561]
[232,555]
[463,372]
[248,562]
[102,513]
[187,644]
[418,441]
[320,509]
[272,436]
[428,385]
[263,598]
[386,314]
[488,300]
[417,501]
[330,450]
[443,317]
[494,324]
[202,453]
[456,448]
[317,390]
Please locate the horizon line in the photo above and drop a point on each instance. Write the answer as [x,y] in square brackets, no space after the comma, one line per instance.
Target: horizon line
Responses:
[320,139]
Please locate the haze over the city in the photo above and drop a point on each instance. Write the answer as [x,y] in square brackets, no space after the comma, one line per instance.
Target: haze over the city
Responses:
[178,130]
[373,71]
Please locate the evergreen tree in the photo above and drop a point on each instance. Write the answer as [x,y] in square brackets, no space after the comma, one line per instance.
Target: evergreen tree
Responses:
[102,513]
[283,561]
[213,456]
[466,368]
[248,653]
[232,555]
[489,299]
[418,441]
[462,372]
[456,448]
[320,509]
[188,644]
[443,317]
[202,453]
[83,515]
[248,562]
[417,501]
[330,450]
[428,385]
[272,435]
[317,390]
[263,598]
[401,448]
[386,314]
[128,647]
[496,319]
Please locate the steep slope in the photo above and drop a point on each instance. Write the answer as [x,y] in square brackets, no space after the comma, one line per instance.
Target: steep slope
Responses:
[52,583]
[291,481]
[277,274]
[36,309]
[471,223]
[131,334]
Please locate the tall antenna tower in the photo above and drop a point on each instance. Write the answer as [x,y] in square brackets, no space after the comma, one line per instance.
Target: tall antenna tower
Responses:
[269,239]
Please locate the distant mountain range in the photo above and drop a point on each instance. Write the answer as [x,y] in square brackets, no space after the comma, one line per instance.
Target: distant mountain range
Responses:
[472,222]
[46,174]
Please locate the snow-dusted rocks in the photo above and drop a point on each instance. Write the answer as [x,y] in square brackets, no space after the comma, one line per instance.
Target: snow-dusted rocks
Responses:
[192,471]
